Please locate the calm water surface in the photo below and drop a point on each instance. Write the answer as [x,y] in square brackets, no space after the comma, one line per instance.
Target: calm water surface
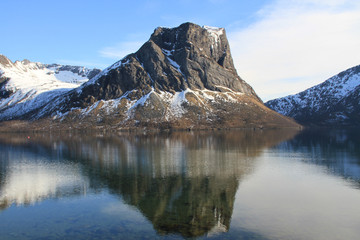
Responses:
[219,185]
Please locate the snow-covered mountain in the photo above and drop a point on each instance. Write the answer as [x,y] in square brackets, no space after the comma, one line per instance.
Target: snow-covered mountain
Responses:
[333,102]
[182,77]
[26,86]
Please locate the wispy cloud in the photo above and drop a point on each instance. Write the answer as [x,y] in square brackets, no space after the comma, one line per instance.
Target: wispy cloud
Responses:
[296,44]
[120,50]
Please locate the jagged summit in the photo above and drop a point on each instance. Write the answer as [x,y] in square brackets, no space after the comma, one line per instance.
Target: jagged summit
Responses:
[203,56]
[182,77]
[174,59]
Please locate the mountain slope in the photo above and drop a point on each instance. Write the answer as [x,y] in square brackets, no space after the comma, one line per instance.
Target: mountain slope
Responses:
[333,102]
[25,85]
[181,77]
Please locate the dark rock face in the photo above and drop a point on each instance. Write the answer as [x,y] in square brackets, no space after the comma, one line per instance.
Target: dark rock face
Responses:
[333,102]
[203,56]
[4,93]
[175,59]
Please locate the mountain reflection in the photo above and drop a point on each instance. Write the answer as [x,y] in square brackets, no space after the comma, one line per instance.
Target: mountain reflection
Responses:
[336,149]
[184,183]
[27,178]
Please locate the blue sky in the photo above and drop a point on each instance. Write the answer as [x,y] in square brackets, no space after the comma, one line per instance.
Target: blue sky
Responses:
[279,47]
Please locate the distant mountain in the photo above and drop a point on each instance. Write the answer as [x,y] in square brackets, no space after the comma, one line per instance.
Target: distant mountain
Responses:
[333,102]
[26,86]
[182,77]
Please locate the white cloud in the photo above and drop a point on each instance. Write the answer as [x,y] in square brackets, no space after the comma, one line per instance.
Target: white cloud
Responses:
[120,50]
[296,44]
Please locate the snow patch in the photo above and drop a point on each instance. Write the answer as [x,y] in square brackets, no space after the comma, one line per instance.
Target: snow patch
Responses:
[174,102]
[70,77]
[141,101]
[214,33]
[176,66]
[167,52]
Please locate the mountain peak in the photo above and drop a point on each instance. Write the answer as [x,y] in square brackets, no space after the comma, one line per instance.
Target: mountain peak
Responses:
[5,61]
[173,59]
[26,61]
[203,41]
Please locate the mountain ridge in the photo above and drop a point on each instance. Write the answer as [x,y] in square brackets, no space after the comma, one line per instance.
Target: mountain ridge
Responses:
[182,77]
[335,101]
[25,85]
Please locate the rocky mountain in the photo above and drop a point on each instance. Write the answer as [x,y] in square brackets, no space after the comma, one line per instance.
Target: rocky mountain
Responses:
[333,102]
[182,77]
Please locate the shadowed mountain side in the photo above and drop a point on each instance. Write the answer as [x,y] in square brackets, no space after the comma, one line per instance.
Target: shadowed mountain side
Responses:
[335,102]
[184,183]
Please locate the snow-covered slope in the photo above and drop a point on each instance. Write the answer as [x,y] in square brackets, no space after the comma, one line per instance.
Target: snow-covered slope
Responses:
[25,85]
[335,101]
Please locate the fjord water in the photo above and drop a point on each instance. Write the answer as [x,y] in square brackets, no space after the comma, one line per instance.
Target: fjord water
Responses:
[222,185]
